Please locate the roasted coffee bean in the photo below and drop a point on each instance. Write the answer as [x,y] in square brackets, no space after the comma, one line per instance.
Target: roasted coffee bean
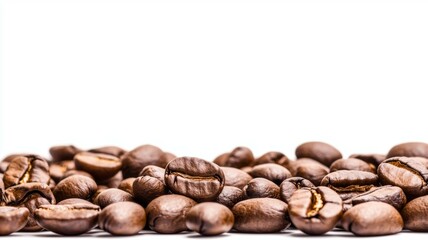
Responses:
[153,171]
[56,172]
[1,186]
[134,161]
[76,172]
[415,214]
[166,214]
[26,169]
[100,189]
[290,185]
[110,150]
[112,182]
[409,149]
[372,158]
[239,157]
[195,178]
[12,219]
[271,171]
[229,196]
[392,195]
[372,219]
[6,161]
[322,152]
[261,187]
[261,215]
[72,219]
[352,164]
[147,188]
[349,183]
[112,195]
[126,185]
[272,157]
[221,159]
[75,186]
[315,210]
[308,169]
[209,219]
[169,156]
[235,177]
[71,201]
[100,166]
[410,174]
[61,153]
[122,218]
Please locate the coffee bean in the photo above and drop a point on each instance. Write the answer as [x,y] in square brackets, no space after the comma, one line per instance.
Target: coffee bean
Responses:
[169,156]
[209,219]
[235,177]
[100,189]
[126,185]
[415,214]
[409,149]
[308,169]
[407,173]
[319,151]
[112,182]
[195,178]
[147,188]
[392,195]
[290,185]
[229,196]
[63,152]
[134,161]
[271,171]
[72,219]
[372,158]
[6,161]
[110,150]
[71,201]
[26,169]
[75,186]
[260,188]
[352,164]
[372,219]
[221,159]
[272,157]
[153,171]
[100,166]
[239,157]
[12,219]
[315,210]
[166,214]
[122,218]
[349,183]
[76,172]
[112,195]
[261,215]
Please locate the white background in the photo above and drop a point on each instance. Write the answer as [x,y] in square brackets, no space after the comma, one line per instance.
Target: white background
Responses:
[201,77]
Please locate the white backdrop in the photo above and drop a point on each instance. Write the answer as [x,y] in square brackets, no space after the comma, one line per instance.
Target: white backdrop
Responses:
[201,77]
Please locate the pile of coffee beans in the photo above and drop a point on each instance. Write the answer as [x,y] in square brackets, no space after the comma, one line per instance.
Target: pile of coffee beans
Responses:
[125,192]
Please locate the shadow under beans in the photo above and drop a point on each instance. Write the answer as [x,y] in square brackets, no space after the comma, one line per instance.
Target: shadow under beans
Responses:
[327,235]
[203,236]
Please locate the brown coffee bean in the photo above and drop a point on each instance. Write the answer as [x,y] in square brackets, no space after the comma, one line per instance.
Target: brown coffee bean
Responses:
[352,164]
[261,188]
[319,151]
[112,195]
[371,158]
[261,215]
[153,171]
[272,157]
[64,152]
[6,161]
[112,182]
[209,219]
[147,188]
[110,150]
[100,189]
[195,178]
[75,186]
[308,169]
[372,219]
[26,169]
[392,195]
[229,196]
[122,218]
[271,171]
[221,159]
[12,219]
[71,201]
[126,185]
[134,161]
[410,174]
[73,219]
[315,210]
[239,157]
[100,166]
[169,156]
[409,149]
[415,214]
[76,172]
[235,177]
[290,185]
[166,214]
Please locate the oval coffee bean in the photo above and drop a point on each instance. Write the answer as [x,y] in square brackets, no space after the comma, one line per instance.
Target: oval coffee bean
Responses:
[122,218]
[166,214]
[26,169]
[195,178]
[65,152]
[352,164]
[209,219]
[271,171]
[315,211]
[221,159]
[239,157]
[110,150]
[134,161]
[126,185]
[319,151]
[12,219]
[290,185]
[100,166]
[112,195]
[373,158]
[372,219]
[415,214]
[229,196]
[409,149]
[75,186]
[261,215]
[272,157]
[235,177]
[392,195]
[261,187]
[147,188]
[308,169]
[73,219]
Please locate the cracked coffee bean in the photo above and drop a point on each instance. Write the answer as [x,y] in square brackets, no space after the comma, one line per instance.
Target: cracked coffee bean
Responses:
[290,185]
[26,169]
[209,219]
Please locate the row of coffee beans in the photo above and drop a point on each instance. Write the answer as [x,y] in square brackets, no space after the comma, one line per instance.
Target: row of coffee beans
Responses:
[123,192]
